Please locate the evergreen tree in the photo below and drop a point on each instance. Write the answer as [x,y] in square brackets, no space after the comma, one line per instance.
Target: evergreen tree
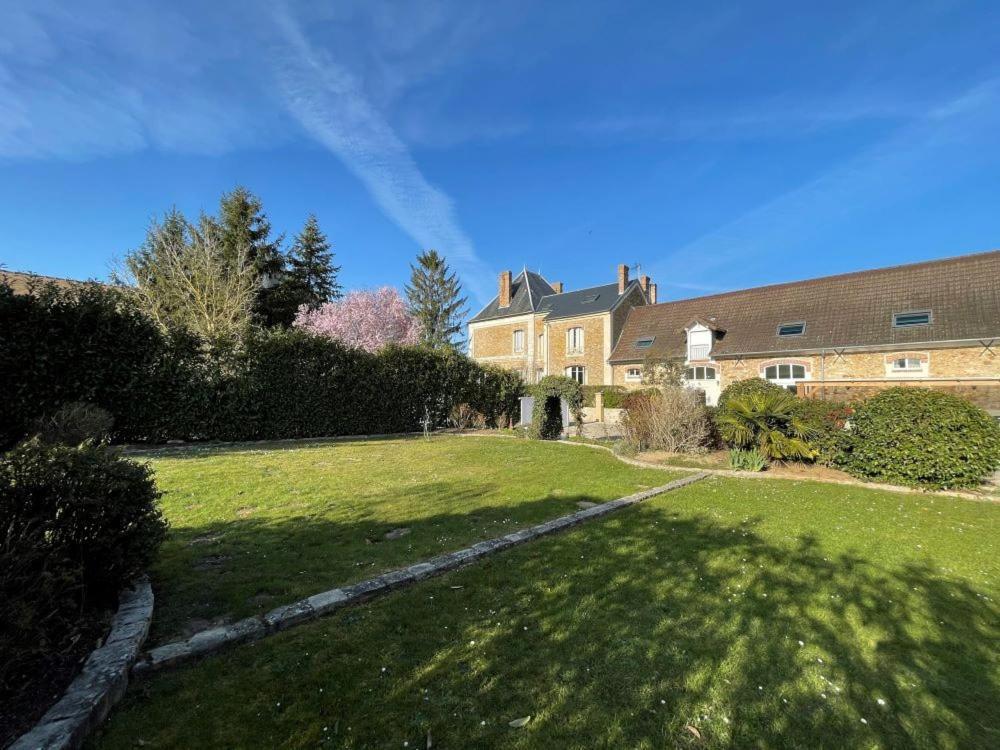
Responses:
[243,226]
[436,301]
[311,268]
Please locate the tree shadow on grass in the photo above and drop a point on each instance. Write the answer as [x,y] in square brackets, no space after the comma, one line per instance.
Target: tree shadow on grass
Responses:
[621,634]
[221,571]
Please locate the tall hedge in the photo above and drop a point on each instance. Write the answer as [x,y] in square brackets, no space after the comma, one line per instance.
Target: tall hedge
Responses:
[89,345]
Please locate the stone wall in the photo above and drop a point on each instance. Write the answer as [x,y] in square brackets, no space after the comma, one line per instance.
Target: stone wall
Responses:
[593,357]
[493,344]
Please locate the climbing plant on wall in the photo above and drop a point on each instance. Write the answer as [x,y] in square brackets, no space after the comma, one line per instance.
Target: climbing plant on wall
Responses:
[546,416]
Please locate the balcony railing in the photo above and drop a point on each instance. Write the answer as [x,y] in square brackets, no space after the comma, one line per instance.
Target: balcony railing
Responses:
[699,351]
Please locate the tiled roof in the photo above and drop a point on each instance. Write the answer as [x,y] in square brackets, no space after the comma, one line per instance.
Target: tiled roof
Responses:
[853,309]
[21,282]
[526,293]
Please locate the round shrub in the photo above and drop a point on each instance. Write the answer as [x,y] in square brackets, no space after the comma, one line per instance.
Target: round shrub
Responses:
[747,387]
[85,505]
[922,437]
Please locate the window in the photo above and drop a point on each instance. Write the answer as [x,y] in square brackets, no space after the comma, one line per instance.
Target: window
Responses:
[577,373]
[906,363]
[792,329]
[574,341]
[518,341]
[785,372]
[907,319]
[633,374]
[701,373]
[645,342]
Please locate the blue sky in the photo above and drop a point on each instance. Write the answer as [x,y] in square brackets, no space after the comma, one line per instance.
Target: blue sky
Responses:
[719,145]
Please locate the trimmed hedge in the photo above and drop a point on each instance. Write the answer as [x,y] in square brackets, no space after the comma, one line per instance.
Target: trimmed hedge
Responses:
[923,437]
[89,345]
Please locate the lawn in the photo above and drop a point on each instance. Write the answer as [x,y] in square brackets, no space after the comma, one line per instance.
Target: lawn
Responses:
[254,527]
[766,613]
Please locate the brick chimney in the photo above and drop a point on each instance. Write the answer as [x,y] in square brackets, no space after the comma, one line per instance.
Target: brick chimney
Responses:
[556,287]
[652,294]
[644,283]
[622,277]
[505,289]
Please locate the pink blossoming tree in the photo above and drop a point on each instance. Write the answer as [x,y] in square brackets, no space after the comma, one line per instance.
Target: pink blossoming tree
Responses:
[366,318]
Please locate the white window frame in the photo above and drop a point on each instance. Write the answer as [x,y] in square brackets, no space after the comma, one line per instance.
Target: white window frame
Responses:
[576,332]
[704,371]
[518,338]
[918,366]
[699,351]
[789,381]
[583,373]
[633,374]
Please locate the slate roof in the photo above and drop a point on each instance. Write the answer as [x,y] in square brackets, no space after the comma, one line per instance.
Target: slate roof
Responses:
[849,310]
[526,292]
[595,299]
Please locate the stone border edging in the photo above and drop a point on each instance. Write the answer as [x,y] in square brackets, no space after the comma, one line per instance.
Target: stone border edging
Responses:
[102,681]
[259,626]
[898,488]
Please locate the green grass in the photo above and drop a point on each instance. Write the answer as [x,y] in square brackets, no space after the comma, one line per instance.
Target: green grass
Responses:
[254,527]
[760,613]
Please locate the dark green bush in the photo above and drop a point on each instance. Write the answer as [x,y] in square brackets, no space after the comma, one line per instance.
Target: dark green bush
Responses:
[85,505]
[826,423]
[73,423]
[746,387]
[923,437]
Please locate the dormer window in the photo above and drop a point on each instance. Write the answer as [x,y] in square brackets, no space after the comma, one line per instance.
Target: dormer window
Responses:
[908,319]
[645,342]
[792,329]
[699,340]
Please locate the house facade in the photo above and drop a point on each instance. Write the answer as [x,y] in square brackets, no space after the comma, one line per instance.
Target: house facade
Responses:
[534,327]
[934,324]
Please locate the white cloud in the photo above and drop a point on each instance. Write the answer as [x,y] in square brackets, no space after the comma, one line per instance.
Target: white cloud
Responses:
[955,138]
[329,102]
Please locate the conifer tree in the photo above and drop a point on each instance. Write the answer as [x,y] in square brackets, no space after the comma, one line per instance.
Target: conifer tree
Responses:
[311,268]
[436,301]
[244,229]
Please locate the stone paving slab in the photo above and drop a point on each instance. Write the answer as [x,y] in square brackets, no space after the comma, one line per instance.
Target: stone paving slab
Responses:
[305,610]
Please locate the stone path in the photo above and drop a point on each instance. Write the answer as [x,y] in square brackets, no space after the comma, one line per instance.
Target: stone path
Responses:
[260,626]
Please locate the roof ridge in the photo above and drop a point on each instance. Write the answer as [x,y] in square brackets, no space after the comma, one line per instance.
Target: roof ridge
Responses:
[831,277]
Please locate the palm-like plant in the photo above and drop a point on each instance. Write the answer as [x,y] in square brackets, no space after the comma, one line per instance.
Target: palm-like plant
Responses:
[767,421]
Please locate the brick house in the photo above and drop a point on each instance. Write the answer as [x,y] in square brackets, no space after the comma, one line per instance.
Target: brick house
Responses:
[933,324]
[536,328]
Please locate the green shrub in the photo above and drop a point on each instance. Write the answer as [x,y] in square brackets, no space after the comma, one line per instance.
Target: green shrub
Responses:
[747,460]
[546,415]
[85,505]
[73,423]
[766,420]
[746,387]
[923,437]
[826,423]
